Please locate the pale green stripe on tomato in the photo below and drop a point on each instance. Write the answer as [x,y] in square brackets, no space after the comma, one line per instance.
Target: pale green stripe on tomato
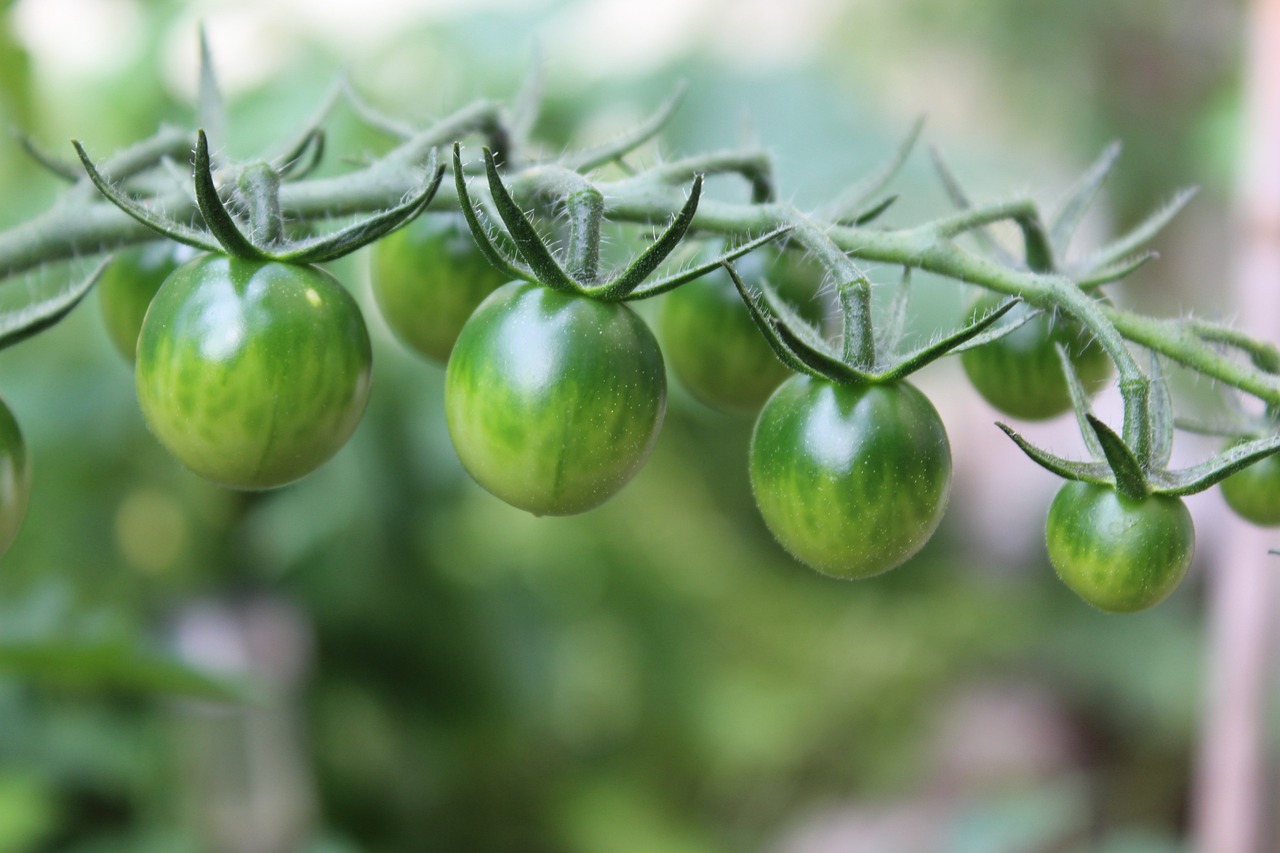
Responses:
[252,374]
[1120,555]
[851,480]
[553,401]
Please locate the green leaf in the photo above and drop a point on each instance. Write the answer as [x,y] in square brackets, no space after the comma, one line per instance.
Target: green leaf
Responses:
[671,282]
[19,323]
[215,213]
[951,184]
[1189,481]
[1144,231]
[484,240]
[852,203]
[1088,472]
[591,158]
[1079,403]
[946,345]
[649,260]
[532,250]
[211,113]
[161,225]
[767,327]
[1069,214]
[358,234]
[1130,479]
[1161,413]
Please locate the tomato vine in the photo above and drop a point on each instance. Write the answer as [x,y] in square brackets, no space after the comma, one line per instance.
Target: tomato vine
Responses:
[556,390]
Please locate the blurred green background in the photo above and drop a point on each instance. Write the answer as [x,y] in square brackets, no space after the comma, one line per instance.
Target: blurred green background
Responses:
[414,665]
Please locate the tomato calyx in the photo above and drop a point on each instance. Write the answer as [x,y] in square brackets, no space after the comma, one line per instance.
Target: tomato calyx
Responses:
[523,253]
[264,238]
[802,347]
[1135,475]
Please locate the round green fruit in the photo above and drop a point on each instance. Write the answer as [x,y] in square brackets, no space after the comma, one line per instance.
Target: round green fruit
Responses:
[128,285]
[553,400]
[427,278]
[1119,554]
[851,479]
[252,373]
[1021,375]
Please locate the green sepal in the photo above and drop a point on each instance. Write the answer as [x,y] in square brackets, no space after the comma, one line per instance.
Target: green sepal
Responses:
[767,326]
[1141,233]
[161,225]
[529,244]
[1098,473]
[368,230]
[1130,479]
[931,352]
[996,332]
[216,216]
[1079,404]
[211,111]
[1067,218]
[1113,272]
[799,327]
[1216,430]
[1160,406]
[649,260]
[303,158]
[852,203]
[820,360]
[873,213]
[592,158]
[955,192]
[1038,252]
[18,324]
[1189,481]
[671,282]
[889,334]
[527,104]
[52,163]
[484,240]
[373,117]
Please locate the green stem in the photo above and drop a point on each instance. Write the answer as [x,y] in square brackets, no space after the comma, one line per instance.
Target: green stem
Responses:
[259,185]
[584,211]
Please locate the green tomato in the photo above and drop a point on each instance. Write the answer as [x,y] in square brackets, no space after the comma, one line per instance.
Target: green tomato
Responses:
[427,278]
[128,285]
[1020,374]
[851,479]
[252,373]
[1254,492]
[1120,555]
[553,400]
[15,478]
[713,346]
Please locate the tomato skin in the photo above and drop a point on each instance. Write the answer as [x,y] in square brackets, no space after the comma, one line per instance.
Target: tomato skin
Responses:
[851,479]
[1118,554]
[553,401]
[427,278]
[252,373]
[711,343]
[1254,492]
[1021,375]
[15,478]
[128,285]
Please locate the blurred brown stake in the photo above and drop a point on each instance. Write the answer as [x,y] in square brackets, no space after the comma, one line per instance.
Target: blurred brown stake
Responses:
[1230,790]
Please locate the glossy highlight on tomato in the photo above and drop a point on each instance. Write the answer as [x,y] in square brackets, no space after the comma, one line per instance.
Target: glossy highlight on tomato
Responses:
[553,400]
[1021,375]
[427,278]
[1119,554]
[851,479]
[1254,492]
[711,343]
[128,285]
[252,373]
[15,478]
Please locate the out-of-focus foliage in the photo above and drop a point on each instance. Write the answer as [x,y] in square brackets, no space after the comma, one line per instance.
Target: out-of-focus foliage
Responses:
[425,668]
